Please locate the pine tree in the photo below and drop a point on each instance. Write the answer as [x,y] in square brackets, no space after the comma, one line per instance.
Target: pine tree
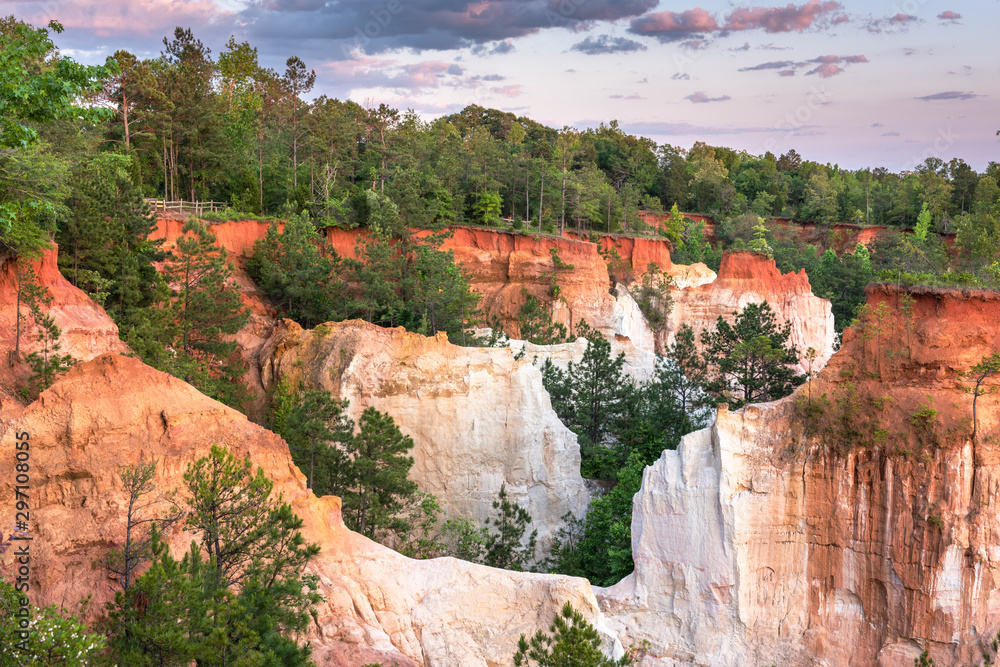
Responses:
[380,466]
[317,430]
[573,642]
[506,547]
[46,363]
[293,272]
[749,361]
[185,333]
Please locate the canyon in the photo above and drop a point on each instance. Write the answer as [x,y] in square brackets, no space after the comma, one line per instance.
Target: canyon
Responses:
[847,524]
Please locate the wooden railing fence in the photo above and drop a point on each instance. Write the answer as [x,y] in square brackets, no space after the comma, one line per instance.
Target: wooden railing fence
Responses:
[192,207]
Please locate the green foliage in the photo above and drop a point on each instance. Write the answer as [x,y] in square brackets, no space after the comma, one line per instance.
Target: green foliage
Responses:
[185,333]
[600,547]
[240,604]
[653,297]
[292,270]
[535,323]
[923,224]
[588,397]
[504,546]
[35,88]
[486,210]
[379,468]
[748,361]
[317,432]
[573,642]
[46,363]
[51,637]
[979,375]
[759,243]
[843,280]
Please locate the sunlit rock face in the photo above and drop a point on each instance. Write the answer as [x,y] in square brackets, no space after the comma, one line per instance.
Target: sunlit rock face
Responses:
[478,417]
[759,542]
[746,278]
[87,331]
[378,606]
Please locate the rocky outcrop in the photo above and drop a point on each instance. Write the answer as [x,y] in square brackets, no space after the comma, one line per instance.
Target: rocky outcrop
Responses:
[87,331]
[746,278]
[378,607]
[502,267]
[478,417]
[846,525]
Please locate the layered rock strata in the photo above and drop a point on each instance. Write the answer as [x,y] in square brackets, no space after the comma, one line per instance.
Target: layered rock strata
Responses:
[379,606]
[746,278]
[479,418]
[846,525]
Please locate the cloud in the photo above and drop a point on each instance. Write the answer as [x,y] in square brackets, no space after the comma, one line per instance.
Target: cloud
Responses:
[876,125]
[669,26]
[366,72]
[890,134]
[112,18]
[681,76]
[824,66]
[782,19]
[827,70]
[700,97]
[494,49]
[893,24]
[335,28]
[633,96]
[774,64]
[607,44]
[948,95]
[949,16]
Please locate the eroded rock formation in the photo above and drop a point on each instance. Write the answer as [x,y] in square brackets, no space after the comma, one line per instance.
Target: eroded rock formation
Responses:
[478,417]
[87,331]
[379,606]
[850,524]
[746,278]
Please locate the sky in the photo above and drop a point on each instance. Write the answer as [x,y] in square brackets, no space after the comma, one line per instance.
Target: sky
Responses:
[860,84]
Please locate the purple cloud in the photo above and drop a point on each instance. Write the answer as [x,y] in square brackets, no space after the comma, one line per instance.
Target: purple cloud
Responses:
[948,95]
[700,97]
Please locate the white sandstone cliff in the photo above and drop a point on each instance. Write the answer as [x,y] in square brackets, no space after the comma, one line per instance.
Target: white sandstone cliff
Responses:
[479,418]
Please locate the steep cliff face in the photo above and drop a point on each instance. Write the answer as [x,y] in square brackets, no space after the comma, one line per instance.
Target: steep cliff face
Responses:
[746,278]
[502,266]
[379,606]
[478,417]
[87,331]
[846,525]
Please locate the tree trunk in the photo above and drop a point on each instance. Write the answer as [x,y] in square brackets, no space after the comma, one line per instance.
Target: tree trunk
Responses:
[541,194]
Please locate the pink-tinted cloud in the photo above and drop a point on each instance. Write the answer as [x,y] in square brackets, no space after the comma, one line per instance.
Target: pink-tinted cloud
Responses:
[110,18]
[826,70]
[700,97]
[949,16]
[782,19]
[824,66]
[508,91]
[896,23]
[675,25]
[670,26]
